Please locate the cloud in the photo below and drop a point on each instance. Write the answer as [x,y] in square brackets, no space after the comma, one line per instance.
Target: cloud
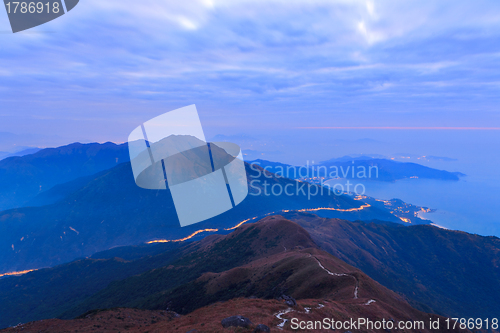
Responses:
[281,54]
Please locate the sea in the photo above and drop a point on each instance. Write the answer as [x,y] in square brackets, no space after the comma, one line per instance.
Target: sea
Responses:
[471,204]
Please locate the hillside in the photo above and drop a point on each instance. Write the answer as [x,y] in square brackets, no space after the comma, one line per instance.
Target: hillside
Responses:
[272,313]
[111,210]
[220,253]
[22,152]
[442,271]
[253,267]
[47,293]
[23,177]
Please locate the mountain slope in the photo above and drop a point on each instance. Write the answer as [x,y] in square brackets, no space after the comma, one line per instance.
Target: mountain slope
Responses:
[220,253]
[23,177]
[272,313]
[111,210]
[22,152]
[48,292]
[268,259]
[442,271]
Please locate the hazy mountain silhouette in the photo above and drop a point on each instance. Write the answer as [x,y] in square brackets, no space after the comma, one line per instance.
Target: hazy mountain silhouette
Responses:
[19,152]
[23,177]
[111,210]
[388,170]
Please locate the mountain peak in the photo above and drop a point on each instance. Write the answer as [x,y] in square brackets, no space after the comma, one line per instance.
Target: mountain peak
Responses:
[278,232]
[269,236]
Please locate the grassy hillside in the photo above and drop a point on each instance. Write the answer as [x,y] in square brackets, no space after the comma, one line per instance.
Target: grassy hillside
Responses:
[47,293]
[111,210]
[268,259]
[442,271]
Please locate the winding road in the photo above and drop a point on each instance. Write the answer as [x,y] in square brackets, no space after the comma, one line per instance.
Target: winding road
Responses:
[280,314]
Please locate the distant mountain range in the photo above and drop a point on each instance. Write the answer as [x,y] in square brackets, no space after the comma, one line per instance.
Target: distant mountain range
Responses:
[13,143]
[23,177]
[79,199]
[262,264]
[19,152]
[79,211]
[360,167]
[82,199]
[109,210]
[33,172]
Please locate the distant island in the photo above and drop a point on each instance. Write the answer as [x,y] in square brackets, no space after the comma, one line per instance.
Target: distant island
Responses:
[362,168]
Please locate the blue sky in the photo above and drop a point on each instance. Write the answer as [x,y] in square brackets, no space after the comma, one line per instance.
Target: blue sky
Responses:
[106,66]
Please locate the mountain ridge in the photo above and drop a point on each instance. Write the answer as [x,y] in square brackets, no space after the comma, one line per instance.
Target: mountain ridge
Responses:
[408,259]
[386,169]
[267,260]
[111,210]
[23,177]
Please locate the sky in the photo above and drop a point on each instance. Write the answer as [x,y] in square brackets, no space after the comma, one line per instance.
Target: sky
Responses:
[97,72]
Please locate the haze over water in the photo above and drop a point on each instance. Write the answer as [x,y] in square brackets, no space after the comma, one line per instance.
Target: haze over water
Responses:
[470,204]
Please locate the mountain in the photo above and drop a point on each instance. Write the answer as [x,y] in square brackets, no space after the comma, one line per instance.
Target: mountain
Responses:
[272,313]
[257,266]
[111,210]
[11,142]
[82,200]
[441,271]
[22,152]
[23,177]
[359,167]
[47,293]
[284,170]
[389,170]
[61,191]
